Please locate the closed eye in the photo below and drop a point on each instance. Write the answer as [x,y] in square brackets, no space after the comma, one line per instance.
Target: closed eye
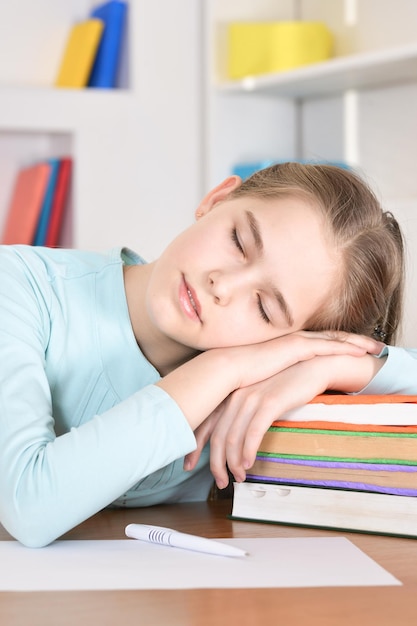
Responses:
[262,311]
[236,241]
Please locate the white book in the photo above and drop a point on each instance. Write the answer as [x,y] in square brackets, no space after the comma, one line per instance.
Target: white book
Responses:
[385,410]
[326,508]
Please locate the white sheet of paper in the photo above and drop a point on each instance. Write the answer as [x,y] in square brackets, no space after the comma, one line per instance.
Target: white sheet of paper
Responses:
[132,564]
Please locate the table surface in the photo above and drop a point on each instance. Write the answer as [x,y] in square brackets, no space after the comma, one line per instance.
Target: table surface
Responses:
[333,606]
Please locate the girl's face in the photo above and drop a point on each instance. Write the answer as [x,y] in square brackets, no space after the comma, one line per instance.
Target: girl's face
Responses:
[247,271]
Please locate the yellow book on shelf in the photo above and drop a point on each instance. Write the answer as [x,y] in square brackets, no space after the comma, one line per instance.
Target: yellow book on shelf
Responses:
[80,53]
[263,47]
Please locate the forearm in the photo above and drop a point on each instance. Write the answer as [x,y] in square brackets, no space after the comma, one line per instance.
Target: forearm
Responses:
[349,374]
[201,384]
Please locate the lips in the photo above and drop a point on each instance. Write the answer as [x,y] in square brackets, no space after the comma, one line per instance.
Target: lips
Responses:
[189,301]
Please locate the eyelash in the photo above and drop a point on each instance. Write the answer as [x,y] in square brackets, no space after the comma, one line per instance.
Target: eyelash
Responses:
[235,239]
[262,311]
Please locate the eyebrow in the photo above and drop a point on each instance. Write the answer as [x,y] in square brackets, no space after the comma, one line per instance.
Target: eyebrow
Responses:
[259,245]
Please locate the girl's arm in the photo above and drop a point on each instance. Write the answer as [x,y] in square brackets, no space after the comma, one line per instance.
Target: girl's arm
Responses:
[238,425]
[200,385]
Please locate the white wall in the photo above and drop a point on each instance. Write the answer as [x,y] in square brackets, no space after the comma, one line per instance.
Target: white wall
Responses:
[137,152]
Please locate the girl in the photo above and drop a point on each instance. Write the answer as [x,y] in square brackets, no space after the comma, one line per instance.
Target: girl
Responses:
[110,365]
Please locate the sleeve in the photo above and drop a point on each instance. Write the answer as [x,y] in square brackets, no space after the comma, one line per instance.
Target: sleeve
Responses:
[398,374]
[49,484]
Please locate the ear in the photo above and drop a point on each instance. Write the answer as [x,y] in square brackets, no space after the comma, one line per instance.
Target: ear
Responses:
[217,194]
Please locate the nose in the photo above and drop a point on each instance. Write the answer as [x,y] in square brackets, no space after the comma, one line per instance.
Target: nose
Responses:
[223,286]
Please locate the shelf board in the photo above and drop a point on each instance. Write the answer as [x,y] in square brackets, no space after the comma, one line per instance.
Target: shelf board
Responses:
[365,70]
[48,108]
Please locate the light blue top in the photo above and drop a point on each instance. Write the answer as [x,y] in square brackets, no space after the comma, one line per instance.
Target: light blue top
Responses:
[82,425]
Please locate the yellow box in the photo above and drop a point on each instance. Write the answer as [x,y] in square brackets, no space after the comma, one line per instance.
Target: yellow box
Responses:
[262,47]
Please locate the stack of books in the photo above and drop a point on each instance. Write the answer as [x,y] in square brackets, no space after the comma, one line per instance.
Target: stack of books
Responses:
[347,462]
[38,202]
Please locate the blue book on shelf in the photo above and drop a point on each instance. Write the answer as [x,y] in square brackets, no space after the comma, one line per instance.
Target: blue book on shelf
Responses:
[42,227]
[113,15]
[244,170]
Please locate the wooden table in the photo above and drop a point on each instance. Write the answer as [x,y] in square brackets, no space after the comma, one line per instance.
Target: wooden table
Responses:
[339,606]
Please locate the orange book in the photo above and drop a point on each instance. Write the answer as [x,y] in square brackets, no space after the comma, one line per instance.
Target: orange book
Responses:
[26,204]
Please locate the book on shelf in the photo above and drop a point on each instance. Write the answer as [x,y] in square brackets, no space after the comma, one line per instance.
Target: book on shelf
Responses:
[26,204]
[59,202]
[79,54]
[105,67]
[336,509]
[43,221]
[245,169]
[338,474]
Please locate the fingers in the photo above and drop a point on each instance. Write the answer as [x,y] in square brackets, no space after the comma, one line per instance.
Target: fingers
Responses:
[261,361]
[202,435]
[250,411]
[218,439]
[229,436]
[191,459]
[372,346]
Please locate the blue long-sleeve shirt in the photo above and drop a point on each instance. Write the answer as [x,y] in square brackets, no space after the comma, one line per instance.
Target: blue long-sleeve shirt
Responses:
[81,423]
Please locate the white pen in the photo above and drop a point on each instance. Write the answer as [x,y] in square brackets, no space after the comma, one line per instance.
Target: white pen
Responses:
[175,539]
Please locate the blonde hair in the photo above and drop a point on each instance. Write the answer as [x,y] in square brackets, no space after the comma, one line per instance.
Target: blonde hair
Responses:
[368,297]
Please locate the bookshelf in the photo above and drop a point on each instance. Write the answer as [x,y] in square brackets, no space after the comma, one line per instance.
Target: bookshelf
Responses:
[124,141]
[358,107]
[377,68]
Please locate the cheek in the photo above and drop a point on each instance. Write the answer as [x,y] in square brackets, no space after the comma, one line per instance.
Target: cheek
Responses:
[244,330]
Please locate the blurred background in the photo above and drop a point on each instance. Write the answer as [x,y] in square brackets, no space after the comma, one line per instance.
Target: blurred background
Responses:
[204,88]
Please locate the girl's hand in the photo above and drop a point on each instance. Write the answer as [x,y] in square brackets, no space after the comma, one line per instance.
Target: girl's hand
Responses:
[237,427]
[201,384]
[261,361]
[286,350]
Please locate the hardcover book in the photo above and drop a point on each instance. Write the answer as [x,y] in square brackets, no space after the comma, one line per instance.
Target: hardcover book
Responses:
[26,204]
[357,409]
[113,16]
[79,55]
[44,216]
[335,509]
[59,202]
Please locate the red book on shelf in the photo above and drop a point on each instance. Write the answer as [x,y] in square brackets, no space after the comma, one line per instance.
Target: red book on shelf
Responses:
[59,202]
[26,203]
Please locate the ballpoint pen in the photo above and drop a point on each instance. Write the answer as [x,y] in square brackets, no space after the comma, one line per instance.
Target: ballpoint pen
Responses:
[175,539]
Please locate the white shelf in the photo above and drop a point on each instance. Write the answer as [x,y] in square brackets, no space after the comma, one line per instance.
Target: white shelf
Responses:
[364,70]
[51,108]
